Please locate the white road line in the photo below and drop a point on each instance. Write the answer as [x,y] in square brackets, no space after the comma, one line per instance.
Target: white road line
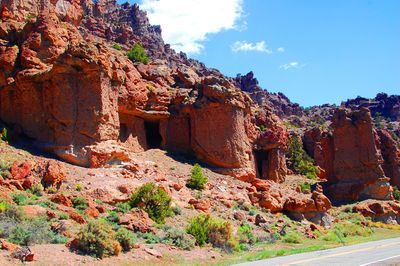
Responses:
[369,263]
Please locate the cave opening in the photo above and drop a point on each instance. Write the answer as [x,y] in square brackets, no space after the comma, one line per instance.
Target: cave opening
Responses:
[153,136]
[123,132]
[261,156]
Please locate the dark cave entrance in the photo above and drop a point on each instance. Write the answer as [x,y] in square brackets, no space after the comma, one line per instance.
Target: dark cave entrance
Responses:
[153,136]
[123,132]
[260,157]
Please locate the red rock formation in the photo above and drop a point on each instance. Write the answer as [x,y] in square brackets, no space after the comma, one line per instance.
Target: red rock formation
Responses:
[83,100]
[380,211]
[319,145]
[357,171]
[391,156]
[276,198]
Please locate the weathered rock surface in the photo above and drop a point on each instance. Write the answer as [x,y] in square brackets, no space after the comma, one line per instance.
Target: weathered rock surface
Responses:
[90,105]
[380,211]
[391,156]
[357,171]
[275,198]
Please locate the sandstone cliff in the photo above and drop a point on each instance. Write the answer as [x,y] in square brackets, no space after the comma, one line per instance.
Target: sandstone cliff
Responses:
[66,87]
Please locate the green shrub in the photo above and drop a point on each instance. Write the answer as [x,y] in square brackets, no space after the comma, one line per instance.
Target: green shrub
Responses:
[396,193]
[14,213]
[48,204]
[280,252]
[177,210]
[293,237]
[308,169]
[30,232]
[199,227]
[20,235]
[113,217]
[96,238]
[37,189]
[245,234]
[197,180]
[126,238]
[3,207]
[78,187]
[80,203]
[331,237]
[305,186]
[350,229]
[116,46]
[152,238]
[253,210]
[137,54]
[51,190]
[63,216]
[219,233]
[19,199]
[177,236]
[153,200]
[122,207]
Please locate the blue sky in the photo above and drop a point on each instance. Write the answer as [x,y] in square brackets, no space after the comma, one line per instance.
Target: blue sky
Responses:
[313,51]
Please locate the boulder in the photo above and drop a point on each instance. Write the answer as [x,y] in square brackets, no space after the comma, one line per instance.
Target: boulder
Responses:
[380,211]
[202,204]
[137,220]
[20,170]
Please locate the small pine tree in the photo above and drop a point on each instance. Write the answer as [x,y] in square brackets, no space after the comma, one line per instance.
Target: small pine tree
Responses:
[153,200]
[197,180]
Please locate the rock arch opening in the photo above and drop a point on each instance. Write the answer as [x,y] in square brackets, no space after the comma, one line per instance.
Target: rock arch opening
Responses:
[153,136]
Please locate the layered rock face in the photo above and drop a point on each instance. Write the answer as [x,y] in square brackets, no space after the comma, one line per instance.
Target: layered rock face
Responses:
[350,156]
[318,143]
[357,171]
[66,87]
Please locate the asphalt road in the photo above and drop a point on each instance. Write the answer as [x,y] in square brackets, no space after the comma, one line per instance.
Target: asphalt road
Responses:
[381,252]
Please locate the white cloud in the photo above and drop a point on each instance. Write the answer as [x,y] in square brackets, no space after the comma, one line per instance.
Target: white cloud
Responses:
[291,65]
[245,46]
[186,23]
[281,49]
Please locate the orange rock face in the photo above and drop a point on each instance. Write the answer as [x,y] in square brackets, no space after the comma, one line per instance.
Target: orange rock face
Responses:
[201,204]
[90,105]
[357,171]
[380,211]
[391,155]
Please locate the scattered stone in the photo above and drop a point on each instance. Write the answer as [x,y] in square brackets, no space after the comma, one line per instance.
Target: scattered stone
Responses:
[153,252]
